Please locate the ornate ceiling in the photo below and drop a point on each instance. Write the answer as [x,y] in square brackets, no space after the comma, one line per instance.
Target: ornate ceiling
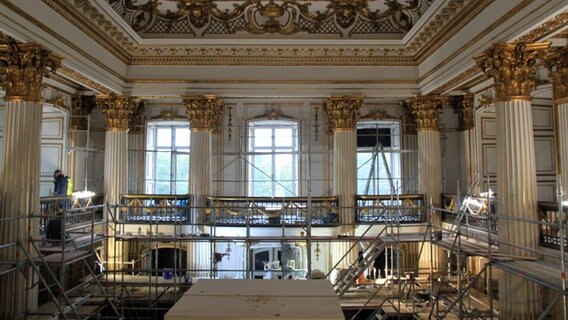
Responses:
[375,19]
[269,48]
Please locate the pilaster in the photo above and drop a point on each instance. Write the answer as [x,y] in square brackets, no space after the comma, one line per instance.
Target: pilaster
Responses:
[465,109]
[136,154]
[513,68]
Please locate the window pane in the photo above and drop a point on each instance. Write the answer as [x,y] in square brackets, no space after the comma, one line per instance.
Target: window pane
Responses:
[182,167]
[164,137]
[262,137]
[163,166]
[182,187]
[163,187]
[283,137]
[182,137]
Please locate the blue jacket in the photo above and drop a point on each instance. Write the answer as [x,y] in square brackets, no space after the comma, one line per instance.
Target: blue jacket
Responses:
[60,185]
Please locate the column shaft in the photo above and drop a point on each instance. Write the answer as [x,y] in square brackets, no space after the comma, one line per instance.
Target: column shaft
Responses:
[410,170]
[345,175]
[136,163]
[200,170]
[562,113]
[19,198]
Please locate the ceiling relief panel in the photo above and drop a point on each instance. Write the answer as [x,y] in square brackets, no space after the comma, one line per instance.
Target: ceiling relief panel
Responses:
[386,19]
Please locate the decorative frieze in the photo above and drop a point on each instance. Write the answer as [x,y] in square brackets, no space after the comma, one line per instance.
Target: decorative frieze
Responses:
[24,65]
[513,68]
[557,62]
[342,112]
[204,112]
[118,110]
[427,110]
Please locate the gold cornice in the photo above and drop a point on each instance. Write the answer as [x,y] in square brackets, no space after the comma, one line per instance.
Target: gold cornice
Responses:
[204,112]
[263,60]
[24,66]
[342,112]
[268,81]
[118,110]
[476,39]
[427,111]
[83,80]
[119,46]
[513,67]
[549,27]
[56,35]
[457,21]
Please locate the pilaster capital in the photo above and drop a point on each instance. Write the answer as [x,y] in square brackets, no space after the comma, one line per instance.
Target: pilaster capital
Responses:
[118,110]
[465,110]
[204,112]
[138,119]
[342,112]
[513,68]
[557,62]
[24,65]
[427,110]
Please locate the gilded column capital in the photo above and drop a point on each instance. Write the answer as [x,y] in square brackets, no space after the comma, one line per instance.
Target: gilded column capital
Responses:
[427,110]
[204,112]
[513,68]
[342,112]
[465,110]
[138,119]
[557,62]
[24,65]
[118,110]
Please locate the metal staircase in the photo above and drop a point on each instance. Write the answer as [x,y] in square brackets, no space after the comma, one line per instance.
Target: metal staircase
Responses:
[367,259]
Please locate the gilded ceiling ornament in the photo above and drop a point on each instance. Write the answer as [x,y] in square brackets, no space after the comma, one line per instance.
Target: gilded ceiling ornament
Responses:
[513,68]
[24,66]
[209,17]
[138,119]
[118,110]
[557,62]
[204,112]
[342,112]
[465,110]
[427,110]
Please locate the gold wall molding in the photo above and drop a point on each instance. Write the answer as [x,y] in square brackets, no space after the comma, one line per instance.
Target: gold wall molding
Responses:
[378,114]
[549,27]
[204,112]
[24,66]
[513,67]
[118,110]
[83,80]
[341,18]
[273,114]
[342,112]
[557,62]
[427,111]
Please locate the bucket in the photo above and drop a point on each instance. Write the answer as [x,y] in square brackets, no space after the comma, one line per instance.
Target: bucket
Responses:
[168,274]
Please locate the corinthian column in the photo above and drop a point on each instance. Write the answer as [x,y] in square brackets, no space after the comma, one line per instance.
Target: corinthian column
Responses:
[118,111]
[136,153]
[465,110]
[23,66]
[427,110]
[342,114]
[513,68]
[204,114]
[557,62]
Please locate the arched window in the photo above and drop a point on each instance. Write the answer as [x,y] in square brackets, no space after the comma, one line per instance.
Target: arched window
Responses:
[273,158]
[167,157]
[378,157]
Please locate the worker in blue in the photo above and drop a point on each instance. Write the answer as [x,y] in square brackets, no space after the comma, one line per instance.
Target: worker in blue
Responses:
[60,183]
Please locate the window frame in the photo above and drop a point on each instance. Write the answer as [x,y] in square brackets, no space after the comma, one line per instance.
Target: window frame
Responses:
[153,147]
[394,161]
[273,151]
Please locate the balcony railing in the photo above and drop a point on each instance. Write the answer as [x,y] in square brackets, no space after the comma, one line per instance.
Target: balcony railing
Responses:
[154,208]
[549,230]
[272,211]
[54,207]
[479,211]
[407,208]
